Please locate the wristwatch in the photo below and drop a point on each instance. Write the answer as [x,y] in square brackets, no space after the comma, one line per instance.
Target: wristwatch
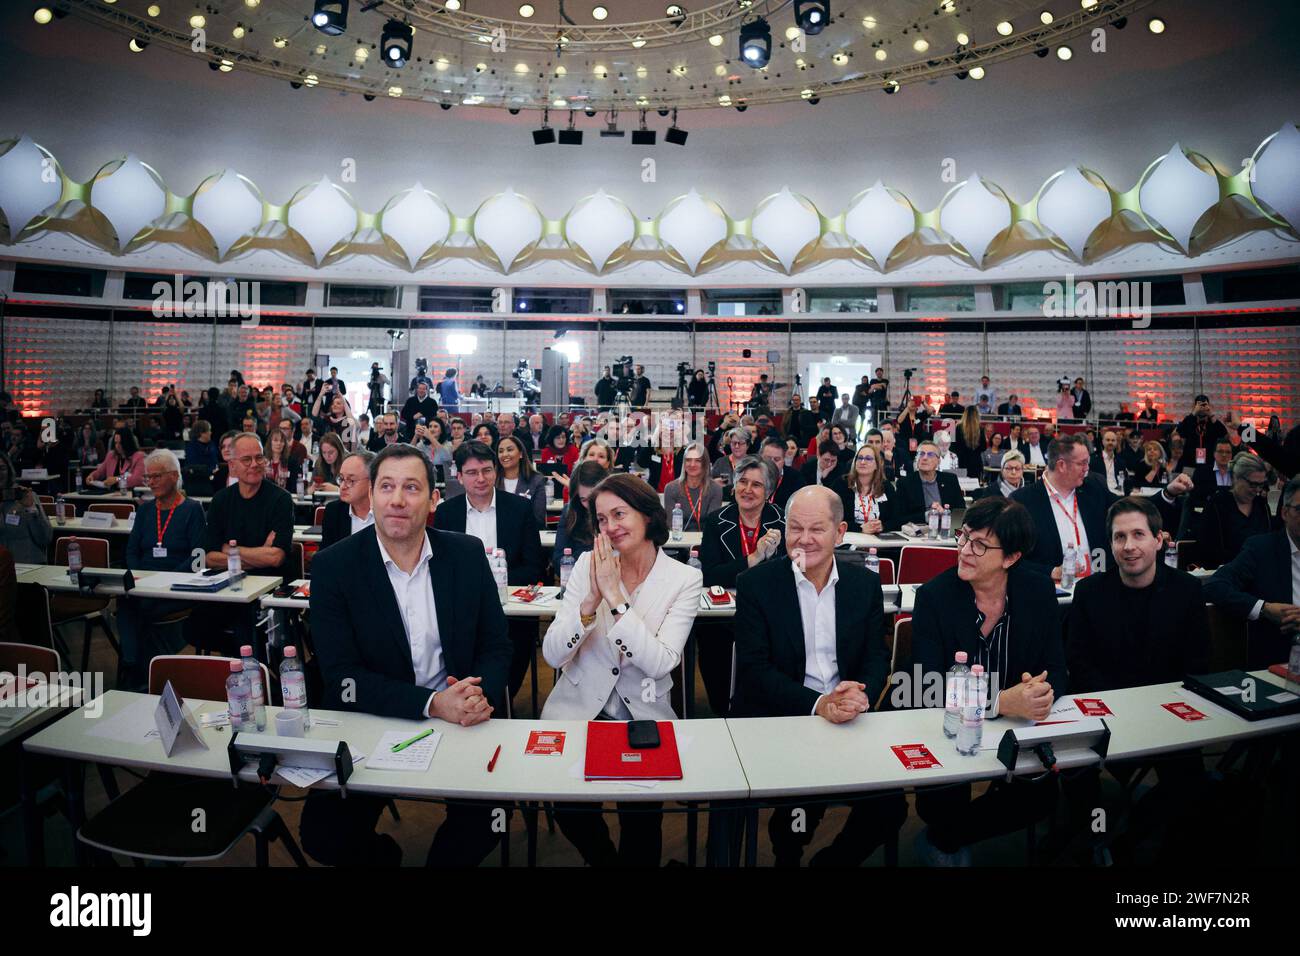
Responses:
[622,609]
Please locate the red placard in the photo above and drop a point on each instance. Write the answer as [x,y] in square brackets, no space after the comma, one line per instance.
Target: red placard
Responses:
[915,756]
[1092,707]
[1185,711]
[545,743]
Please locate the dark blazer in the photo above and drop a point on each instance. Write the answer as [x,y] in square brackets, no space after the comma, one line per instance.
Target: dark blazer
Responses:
[1007,410]
[721,554]
[969,458]
[1093,500]
[1262,571]
[1216,535]
[1105,651]
[911,497]
[943,623]
[517,533]
[645,459]
[808,473]
[791,481]
[359,634]
[770,654]
[335,524]
[888,508]
[534,492]
[1205,484]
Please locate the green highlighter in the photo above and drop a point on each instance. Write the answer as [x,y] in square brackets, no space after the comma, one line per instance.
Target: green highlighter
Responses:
[406,743]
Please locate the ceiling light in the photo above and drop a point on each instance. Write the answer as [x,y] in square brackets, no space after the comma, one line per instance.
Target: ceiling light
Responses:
[680,69]
[599,13]
[480,67]
[839,59]
[361,54]
[724,100]
[812,15]
[42,15]
[320,49]
[1156,25]
[474,100]
[641,72]
[1045,17]
[869,23]
[792,32]
[331,17]
[881,54]
[1064,53]
[948,6]
[137,45]
[756,43]
[225,66]
[311,79]
[977,73]
[451,4]
[395,91]
[238,32]
[806,94]
[600,70]
[963,38]
[638,43]
[396,42]
[1005,28]
[441,63]
[523,68]
[526,10]
[715,40]
[280,43]
[198,21]
[1088,4]
[252,4]
[561,102]
[921,45]
[154,10]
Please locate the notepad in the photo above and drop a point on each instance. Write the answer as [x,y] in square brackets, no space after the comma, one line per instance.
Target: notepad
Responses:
[414,759]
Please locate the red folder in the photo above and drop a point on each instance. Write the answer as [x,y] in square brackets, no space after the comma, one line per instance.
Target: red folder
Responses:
[610,757]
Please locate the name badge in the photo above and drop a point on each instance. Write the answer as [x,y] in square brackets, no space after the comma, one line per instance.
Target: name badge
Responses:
[655,458]
[160,552]
[1200,456]
[883,498]
[12,518]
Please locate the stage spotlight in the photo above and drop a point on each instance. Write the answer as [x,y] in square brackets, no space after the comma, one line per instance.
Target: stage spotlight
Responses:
[1064,53]
[445,106]
[1041,52]
[396,42]
[1156,25]
[513,111]
[331,17]
[891,87]
[664,112]
[674,135]
[1120,24]
[368,97]
[741,107]
[137,44]
[676,14]
[812,15]
[756,43]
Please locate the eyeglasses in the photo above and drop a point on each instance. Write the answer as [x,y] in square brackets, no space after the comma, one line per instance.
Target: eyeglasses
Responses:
[478,472]
[349,482]
[1257,485]
[977,547]
[158,477]
[248,460]
[927,454]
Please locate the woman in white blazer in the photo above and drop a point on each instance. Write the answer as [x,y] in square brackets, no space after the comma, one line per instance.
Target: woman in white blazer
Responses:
[620,635]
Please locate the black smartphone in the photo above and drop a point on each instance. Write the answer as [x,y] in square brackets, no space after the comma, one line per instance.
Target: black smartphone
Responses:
[213,572]
[642,734]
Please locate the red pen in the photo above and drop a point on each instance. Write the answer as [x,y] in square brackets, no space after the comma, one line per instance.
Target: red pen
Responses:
[493,762]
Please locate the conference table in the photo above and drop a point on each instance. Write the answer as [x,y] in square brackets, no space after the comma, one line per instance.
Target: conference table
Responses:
[744,763]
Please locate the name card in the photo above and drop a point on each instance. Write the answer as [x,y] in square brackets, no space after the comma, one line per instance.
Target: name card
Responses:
[97,519]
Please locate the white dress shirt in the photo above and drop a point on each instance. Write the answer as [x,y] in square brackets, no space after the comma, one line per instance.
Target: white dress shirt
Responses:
[821,666]
[1113,473]
[482,524]
[1295,581]
[359,524]
[510,484]
[1063,511]
[414,594]
[1035,456]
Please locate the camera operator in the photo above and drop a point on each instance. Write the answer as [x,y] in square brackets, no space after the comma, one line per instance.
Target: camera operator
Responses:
[878,396]
[606,390]
[421,375]
[760,397]
[639,396]
[378,382]
[697,391]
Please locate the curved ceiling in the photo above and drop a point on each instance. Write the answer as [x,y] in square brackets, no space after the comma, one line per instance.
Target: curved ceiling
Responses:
[484,54]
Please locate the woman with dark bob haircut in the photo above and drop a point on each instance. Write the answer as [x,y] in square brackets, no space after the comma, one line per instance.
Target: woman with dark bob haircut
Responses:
[619,635]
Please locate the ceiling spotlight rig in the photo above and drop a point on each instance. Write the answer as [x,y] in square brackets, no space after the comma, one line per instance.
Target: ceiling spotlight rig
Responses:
[756,43]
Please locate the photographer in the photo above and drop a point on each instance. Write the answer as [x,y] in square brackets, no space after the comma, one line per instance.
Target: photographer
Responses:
[697,392]
[418,410]
[639,395]
[606,390]
[378,382]
[421,375]
[760,396]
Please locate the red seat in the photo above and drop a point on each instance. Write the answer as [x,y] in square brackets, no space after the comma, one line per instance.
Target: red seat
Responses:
[919,563]
[886,570]
[193,676]
[38,660]
[116,509]
[319,517]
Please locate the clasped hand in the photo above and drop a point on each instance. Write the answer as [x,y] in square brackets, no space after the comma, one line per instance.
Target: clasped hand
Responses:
[463,702]
[846,701]
[1031,698]
[606,576]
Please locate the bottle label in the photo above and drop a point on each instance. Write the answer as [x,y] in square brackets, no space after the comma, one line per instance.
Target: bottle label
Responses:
[294,687]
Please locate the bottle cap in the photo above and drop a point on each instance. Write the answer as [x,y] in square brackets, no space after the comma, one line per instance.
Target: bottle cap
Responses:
[236,667]
[961,657]
[291,651]
[568,552]
[977,669]
[246,650]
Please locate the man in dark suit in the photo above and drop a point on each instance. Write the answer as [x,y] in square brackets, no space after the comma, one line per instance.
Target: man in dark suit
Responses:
[499,520]
[384,433]
[837,672]
[1262,585]
[1210,477]
[1011,407]
[773,450]
[927,488]
[1140,622]
[1003,615]
[827,395]
[1107,464]
[407,624]
[825,468]
[800,424]
[351,512]
[953,407]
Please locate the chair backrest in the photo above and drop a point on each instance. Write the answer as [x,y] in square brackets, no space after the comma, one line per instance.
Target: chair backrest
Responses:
[858,557]
[94,551]
[900,647]
[32,616]
[42,660]
[195,676]
[919,563]
[887,575]
[319,516]
[297,565]
[45,499]
[116,509]
[48,508]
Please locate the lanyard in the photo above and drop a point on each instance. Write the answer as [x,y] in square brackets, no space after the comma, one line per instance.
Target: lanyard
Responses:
[749,542]
[1074,519]
[694,506]
[666,471]
[867,507]
[162,528]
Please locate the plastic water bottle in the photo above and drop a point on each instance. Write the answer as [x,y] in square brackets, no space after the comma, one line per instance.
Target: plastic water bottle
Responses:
[694,561]
[253,671]
[293,684]
[932,519]
[1293,665]
[566,567]
[549,489]
[873,560]
[74,560]
[501,574]
[79,480]
[235,566]
[60,515]
[971,732]
[239,700]
[678,522]
[1171,555]
[1069,564]
[945,522]
[954,693]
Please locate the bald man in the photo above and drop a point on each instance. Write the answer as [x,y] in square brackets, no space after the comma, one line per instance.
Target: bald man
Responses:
[808,642]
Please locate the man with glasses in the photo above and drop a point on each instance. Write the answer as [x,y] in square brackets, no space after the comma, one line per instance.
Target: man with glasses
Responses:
[1262,585]
[168,527]
[1234,514]
[254,518]
[927,488]
[1003,614]
[351,512]
[502,520]
[1210,477]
